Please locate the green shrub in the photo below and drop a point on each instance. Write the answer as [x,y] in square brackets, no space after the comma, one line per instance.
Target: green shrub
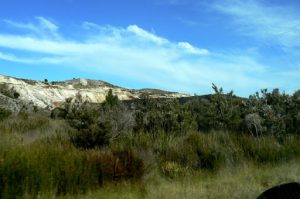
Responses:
[264,149]
[209,153]
[4,113]
[94,136]
[9,92]
[58,113]
[111,100]
[118,164]
[197,151]
[211,159]
[16,95]
[128,165]
[91,132]
[155,115]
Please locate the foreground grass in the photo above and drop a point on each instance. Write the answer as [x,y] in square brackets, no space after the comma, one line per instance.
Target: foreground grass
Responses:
[245,181]
[37,160]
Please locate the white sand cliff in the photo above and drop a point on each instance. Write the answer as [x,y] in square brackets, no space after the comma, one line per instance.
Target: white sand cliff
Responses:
[53,94]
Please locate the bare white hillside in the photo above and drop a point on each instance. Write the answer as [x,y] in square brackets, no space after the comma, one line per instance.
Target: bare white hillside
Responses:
[53,94]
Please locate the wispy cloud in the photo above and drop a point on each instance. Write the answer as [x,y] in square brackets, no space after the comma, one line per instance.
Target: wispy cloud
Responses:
[43,27]
[191,49]
[279,24]
[145,35]
[42,60]
[136,54]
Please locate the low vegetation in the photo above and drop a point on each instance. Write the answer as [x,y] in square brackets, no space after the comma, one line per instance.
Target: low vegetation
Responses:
[217,146]
[9,92]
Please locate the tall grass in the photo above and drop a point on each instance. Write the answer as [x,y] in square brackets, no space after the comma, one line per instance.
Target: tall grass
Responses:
[245,181]
[176,156]
[46,168]
[59,168]
[38,160]
[49,163]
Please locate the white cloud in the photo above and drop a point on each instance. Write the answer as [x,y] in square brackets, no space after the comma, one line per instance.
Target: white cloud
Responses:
[27,26]
[146,35]
[43,27]
[47,25]
[89,25]
[267,22]
[136,54]
[191,49]
[42,60]
[10,57]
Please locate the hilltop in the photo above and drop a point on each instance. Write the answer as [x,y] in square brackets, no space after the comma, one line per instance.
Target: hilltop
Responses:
[16,93]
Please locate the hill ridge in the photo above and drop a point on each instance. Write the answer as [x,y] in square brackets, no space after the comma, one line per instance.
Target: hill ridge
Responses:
[49,95]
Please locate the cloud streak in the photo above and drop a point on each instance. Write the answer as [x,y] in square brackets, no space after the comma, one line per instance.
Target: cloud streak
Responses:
[273,23]
[43,27]
[132,53]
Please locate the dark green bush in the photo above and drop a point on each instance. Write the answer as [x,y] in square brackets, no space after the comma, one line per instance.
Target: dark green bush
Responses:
[128,165]
[209,152]
[155,115]
[94,136]
[120,165]
[16,95]
[90,131]
[58,113]
[96,125]
[197,151]
[267,149]
[111,100]
[9,92]
[4,113]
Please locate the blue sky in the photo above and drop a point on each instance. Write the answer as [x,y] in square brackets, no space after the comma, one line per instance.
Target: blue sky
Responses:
[178,45]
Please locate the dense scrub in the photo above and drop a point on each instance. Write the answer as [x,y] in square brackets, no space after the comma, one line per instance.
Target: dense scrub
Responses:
[83,147]
[265,113]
